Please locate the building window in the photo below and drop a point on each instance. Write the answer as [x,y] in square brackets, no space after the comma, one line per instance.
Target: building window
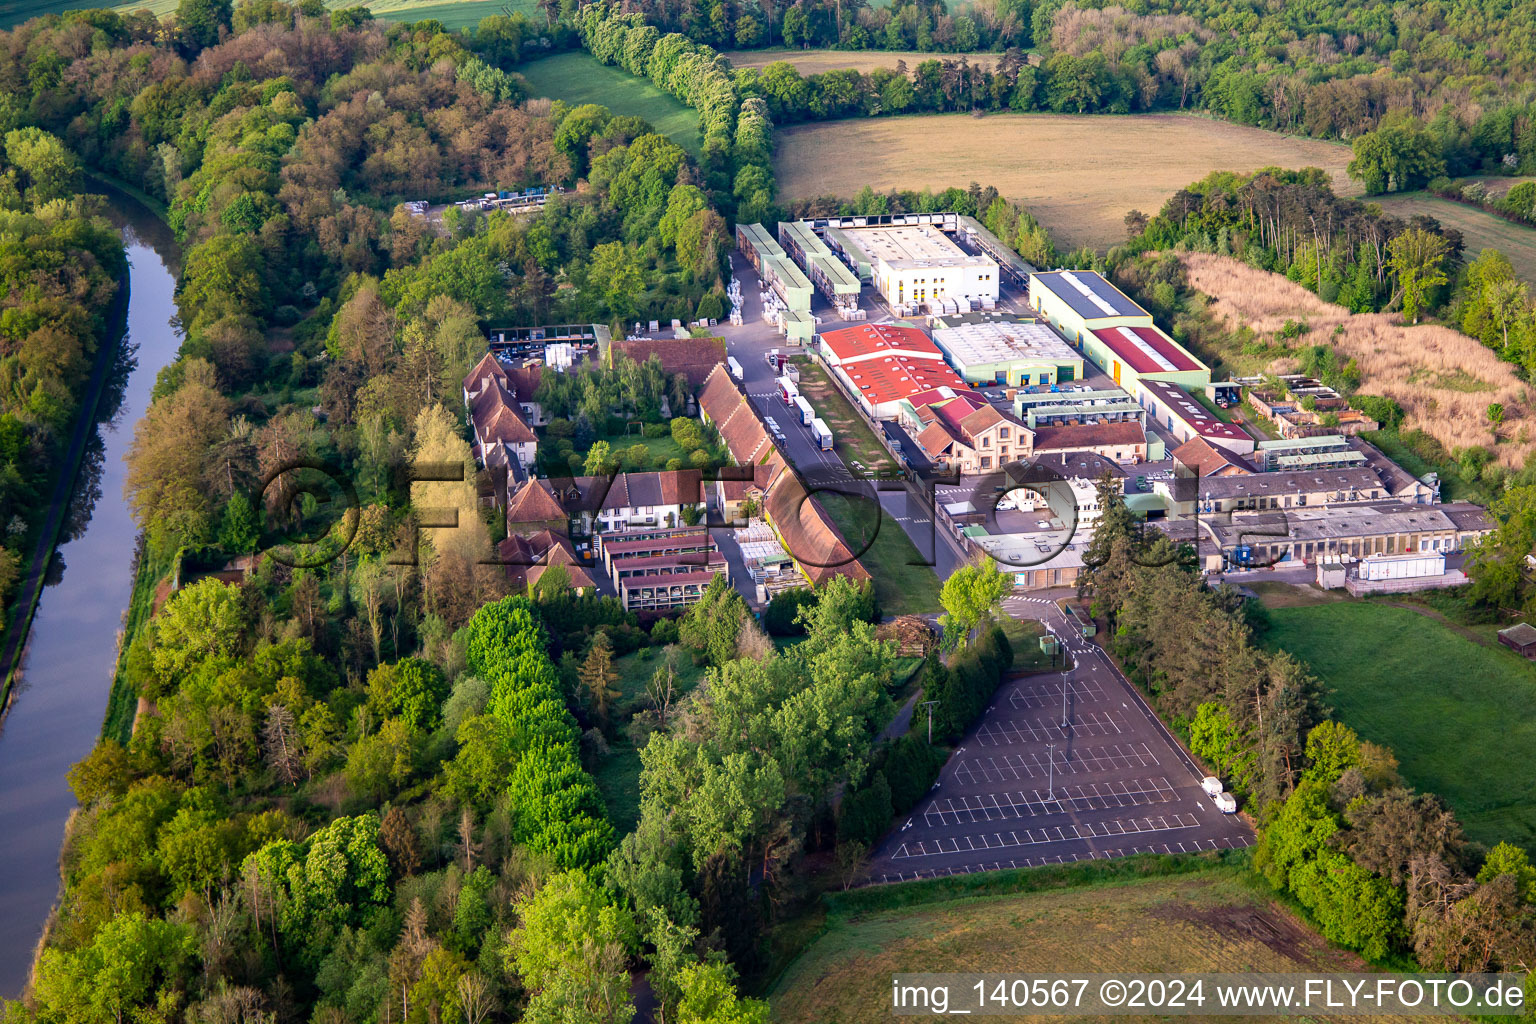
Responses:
[1002,432]
[986,462]
[986,442]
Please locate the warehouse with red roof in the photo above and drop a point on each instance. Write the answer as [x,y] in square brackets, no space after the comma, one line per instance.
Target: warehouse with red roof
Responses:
[880,365]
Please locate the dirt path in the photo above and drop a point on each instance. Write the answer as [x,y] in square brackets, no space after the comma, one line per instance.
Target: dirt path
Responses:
[1430,613]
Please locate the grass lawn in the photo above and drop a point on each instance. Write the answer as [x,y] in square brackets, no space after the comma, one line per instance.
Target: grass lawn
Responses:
[903,585]
[579,78]
[618,776]
[1024,637]
[1459,715]
[1090,917]
[854,442]
[661,448]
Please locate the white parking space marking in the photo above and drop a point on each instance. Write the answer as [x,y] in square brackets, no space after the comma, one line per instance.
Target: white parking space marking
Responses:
[1040,835]
[1084,724]
[1036,764]
[1094,796]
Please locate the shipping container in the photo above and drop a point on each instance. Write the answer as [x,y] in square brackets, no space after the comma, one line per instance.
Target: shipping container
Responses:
[823,435]
[1402,567]
[807,414]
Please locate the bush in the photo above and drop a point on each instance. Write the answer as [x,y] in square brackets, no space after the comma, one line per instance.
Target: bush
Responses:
[654,430]
[779,619]
[866,812]
[911,766]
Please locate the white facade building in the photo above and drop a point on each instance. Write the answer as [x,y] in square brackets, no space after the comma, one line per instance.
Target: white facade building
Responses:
[919,266]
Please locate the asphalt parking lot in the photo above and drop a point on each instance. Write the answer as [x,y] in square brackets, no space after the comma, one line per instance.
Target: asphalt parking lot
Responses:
[1023,789]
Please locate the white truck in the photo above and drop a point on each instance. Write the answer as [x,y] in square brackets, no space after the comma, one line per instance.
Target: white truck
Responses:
[787,390]
[807,414]
[735,367]
[823,435]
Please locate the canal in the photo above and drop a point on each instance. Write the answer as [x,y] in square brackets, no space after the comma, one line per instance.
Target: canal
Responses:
[56,712]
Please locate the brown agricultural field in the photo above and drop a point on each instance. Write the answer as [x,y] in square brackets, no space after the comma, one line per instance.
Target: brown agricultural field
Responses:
[1443,379]
[1213,920]
[1078,175]
[813,62]
[1479,229]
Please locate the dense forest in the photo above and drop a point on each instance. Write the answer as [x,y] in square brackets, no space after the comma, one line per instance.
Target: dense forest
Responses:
[61,267]
[1379,867]
[356,788]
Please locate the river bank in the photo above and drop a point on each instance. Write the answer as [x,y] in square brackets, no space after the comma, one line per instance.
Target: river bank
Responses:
[57,709]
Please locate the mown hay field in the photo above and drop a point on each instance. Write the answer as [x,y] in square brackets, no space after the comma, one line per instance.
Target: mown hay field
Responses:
[813,62]
[579,78]
[1480,229]
[1211,920]
[1443,379]
[1078,174]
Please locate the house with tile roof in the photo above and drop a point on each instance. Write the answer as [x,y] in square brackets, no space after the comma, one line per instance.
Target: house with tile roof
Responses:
[722,404]
[1201,456]
[534,506]
[694,358]
[962,438]
[497,422]
[528,558]
[1124,442]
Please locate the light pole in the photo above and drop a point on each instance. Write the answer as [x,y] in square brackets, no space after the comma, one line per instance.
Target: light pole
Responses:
[1050,766]
[929,705]
[1064,685]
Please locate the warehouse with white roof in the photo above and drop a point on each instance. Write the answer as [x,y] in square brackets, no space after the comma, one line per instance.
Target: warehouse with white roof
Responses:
[988,348]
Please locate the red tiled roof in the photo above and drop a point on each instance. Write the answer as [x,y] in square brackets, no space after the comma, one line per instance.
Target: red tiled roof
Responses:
[1088,435]
[936,439]
[694,357]
[488,366]
[535,502]
[808,533]
[1210,459]
[942,395]
[496,417]
[523,381]
[1146,349]
[859,343]
[723,404]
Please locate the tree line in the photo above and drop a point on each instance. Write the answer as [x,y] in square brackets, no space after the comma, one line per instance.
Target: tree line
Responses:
[1378,867]
[1331,70]
[61,266]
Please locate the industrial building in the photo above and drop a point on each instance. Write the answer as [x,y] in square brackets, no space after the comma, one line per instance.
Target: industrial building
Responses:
[1132,355]
[1059,406]
[993,348]
[791,289]
[1178,412]
[828,273]
[1079,302]
[1325,451]
[917,267]
[1124,442]
[1332,533]
[881,365]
